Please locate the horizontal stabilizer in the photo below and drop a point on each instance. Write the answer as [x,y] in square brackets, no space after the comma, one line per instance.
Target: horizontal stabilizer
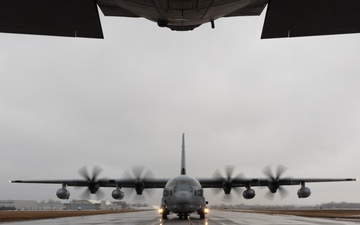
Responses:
[293,18]
[71,18]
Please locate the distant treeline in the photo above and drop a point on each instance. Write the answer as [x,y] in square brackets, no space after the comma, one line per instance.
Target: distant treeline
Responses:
[340,205]
[330,205]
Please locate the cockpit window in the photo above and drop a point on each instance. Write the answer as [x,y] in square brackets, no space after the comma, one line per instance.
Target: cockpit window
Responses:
[183,182]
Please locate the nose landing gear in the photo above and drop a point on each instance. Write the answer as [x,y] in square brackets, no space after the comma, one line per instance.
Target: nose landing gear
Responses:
[183,216]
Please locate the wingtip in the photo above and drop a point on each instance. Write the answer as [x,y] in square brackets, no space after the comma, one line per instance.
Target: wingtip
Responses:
[14,181]
[352,179]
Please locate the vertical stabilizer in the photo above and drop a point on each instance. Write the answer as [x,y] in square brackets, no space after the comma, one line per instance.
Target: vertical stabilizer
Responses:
[183,170]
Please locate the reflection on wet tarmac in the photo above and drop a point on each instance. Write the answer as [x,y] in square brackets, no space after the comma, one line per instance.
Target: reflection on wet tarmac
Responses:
[213,218]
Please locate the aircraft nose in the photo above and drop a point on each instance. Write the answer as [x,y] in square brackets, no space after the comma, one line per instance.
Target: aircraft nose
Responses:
[183,196]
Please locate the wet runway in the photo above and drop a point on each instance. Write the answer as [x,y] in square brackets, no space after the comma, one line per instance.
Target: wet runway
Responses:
[213,218]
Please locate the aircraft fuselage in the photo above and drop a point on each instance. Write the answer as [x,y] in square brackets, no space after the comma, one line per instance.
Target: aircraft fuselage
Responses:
[181,14]
[183,195]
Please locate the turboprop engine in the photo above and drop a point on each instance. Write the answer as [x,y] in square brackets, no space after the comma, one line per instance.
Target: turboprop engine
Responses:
[304,192]
[62,193]
[118,194]
[249,193]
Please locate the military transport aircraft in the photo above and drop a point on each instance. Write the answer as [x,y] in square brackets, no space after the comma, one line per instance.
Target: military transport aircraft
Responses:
[183,194]
[80,18]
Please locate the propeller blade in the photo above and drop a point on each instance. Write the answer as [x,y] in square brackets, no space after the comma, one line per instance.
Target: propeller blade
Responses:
[273,186]
[92,182]
[149,192]
[99,194]
[138,171]
[129,192]
[283,192]
[238,191]
[226,198]
[216,191]
[217,174]
[267,172]
[149,176]
[227,179]
[269,195]
[83,172]
[229,170]
[139,198]
[127,175]
[280,170]
[85,194]
[96,171]
[139,174]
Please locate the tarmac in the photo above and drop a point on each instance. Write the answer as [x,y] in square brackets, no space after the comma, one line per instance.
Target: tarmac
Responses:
[213,218]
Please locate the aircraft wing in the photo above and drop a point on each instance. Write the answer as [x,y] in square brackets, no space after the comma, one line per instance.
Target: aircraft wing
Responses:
[255,182]
[293,18]
[71,18]
[254,8]
[74,182]
[125,183]
[205,182]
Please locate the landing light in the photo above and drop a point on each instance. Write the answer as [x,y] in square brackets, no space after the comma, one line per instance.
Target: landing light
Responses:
[206,210]
[160,210]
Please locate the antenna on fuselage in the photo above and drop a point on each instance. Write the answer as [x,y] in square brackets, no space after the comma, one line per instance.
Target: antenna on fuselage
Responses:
[183,170]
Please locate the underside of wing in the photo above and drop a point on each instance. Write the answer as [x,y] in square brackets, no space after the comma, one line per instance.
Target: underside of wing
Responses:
[74,182]
[255,8]
[297,181]
[293,18]
[110,8]
[125,183]
[71,18]
[93,186]
[145,183]
[256,182]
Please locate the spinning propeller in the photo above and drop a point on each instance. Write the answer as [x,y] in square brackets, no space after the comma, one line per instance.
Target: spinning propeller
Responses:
[92,182]
[139,175]
[227,183]
[273,184]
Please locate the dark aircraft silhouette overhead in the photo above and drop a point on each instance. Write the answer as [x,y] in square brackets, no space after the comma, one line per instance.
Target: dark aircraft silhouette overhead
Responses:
[80,18]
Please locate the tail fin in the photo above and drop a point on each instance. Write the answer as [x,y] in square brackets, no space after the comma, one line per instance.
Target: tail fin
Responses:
[183,170]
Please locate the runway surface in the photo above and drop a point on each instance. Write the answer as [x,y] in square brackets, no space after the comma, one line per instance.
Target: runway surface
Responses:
[213,218]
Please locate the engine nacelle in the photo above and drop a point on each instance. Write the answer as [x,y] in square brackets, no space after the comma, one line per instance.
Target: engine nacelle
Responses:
[62,193]
[249,193]
[304,192]
[118,194]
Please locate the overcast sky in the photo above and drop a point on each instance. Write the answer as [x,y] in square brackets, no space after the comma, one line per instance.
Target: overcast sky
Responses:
[127,99]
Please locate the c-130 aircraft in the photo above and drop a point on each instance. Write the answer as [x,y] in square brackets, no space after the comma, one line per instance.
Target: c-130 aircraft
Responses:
[80,18]
[184,195]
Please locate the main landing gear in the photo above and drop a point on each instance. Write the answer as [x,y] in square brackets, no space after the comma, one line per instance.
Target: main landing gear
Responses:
[202,212]
[164,216]
[164,213]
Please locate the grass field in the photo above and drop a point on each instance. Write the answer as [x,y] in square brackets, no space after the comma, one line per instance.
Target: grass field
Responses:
[353,214]
[8,216]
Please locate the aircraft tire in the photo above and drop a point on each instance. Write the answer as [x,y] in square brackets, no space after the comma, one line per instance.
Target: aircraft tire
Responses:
[164,216]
